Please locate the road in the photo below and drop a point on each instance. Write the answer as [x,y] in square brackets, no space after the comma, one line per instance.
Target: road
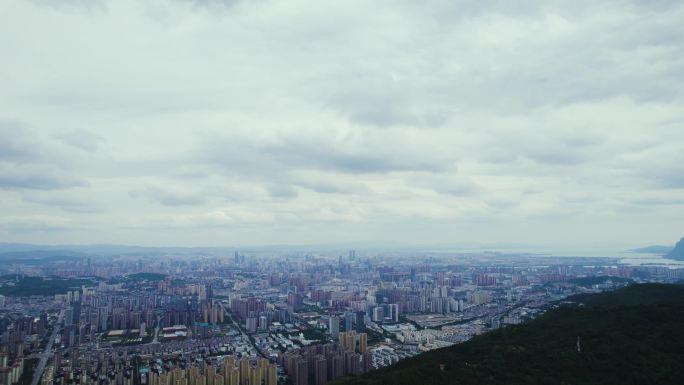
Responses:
[156,331]
[48,350]
[239,328]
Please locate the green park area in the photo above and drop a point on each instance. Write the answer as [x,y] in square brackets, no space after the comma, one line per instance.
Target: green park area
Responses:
[28,286]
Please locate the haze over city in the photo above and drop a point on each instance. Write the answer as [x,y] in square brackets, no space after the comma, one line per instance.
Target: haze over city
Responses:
[190,123]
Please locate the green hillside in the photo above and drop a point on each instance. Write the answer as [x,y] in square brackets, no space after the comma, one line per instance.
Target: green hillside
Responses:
[631,336]
[29,286]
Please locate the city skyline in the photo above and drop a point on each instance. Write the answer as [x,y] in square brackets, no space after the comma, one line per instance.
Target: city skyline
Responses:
[219,123]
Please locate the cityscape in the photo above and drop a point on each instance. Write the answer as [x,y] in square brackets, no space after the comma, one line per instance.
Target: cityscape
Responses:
[250,318]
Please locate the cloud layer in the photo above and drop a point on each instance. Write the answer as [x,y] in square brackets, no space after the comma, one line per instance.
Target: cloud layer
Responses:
[172,122]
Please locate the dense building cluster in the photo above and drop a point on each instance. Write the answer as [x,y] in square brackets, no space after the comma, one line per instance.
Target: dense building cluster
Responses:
[322,363]
[269,319]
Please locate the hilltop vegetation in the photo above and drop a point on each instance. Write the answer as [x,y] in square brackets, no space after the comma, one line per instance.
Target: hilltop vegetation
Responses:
[597,280]
[635,295]
[146,277]
[631,336]
[29,286]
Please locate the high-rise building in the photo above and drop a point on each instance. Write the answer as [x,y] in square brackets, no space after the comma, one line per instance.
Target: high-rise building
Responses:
[211,375]
[394,312]
[272,375]
[337,366]
[321,373]
[301,373]
[363,342]
[479,297]
[120,318]
[334,326]
[244,371]
[348,340]
[377,314]
[351,363]
[232,376]
[255,375]
[69,316]
[360,322]
[251,324]
[348,321]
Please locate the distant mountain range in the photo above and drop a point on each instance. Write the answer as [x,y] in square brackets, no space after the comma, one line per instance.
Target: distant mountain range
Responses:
[678,252]
[17,251]
[631,336]
[662,250]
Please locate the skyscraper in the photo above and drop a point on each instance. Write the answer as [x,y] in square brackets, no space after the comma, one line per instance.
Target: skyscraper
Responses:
[348,321]
[321,373]
[301,374]
[394,312]
[360,321]
[334,326]
[377,314]
[363,343]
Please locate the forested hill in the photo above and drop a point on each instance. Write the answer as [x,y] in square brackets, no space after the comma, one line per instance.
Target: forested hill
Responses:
[632,336]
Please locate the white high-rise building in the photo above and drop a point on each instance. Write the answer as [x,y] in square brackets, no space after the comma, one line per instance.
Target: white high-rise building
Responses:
[394,312]
[377,314]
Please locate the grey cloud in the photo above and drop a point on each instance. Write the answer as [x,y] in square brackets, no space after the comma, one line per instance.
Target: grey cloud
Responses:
[461,188]
[659,201]
[28,162]
[36,223]
[658,167]
[669,177]
[38,179]
[66,204]
[283,154]
[330,185]
[549,153]
[80,139]
[169,197]
[502,204]
[210,3]
[341,120]
[17,144]
[537,73]
[445,183]
[282,191]
[88,6]
[388,110]
[565,156]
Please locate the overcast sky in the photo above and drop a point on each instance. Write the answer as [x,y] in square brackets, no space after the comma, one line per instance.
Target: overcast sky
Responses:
[172,122]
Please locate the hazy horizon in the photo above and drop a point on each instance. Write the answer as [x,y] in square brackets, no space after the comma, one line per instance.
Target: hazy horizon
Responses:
[214,122]
[359,246]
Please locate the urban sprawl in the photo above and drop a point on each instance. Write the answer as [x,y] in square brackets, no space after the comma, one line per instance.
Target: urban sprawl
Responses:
[267,319]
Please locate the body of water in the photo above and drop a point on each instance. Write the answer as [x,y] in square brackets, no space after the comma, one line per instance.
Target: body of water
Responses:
[622,254]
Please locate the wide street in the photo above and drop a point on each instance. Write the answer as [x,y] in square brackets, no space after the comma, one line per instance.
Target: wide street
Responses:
[45,356]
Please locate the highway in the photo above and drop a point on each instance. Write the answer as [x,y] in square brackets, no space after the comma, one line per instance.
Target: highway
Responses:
[45,356]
